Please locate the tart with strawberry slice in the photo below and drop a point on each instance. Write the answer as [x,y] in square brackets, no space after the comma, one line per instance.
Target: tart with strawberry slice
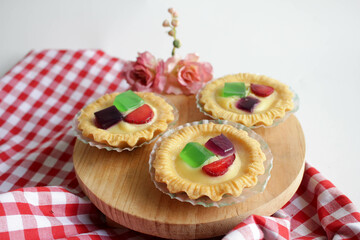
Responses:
[125,119]
[245,98]
[210,160]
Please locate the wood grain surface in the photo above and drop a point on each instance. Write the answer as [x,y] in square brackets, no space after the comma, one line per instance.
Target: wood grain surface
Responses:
[119,184]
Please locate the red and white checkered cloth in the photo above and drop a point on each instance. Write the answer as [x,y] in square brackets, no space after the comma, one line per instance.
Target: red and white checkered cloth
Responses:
[39,195]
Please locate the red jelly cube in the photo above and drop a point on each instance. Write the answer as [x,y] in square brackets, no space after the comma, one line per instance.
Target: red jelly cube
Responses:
[220,145]
[219,167]
[141,115]
[261,90]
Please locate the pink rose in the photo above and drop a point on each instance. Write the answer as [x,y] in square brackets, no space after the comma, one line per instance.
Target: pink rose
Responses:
[146,74]
[186,76]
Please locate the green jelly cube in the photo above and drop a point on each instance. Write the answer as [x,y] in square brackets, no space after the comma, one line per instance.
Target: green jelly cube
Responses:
[234,89]
[127,100]
[195,154]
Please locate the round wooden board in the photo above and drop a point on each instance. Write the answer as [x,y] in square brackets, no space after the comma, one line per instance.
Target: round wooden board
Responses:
[119,184]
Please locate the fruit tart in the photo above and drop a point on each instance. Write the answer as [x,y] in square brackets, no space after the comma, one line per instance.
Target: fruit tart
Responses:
[245,98]
[126,119]
[207,159]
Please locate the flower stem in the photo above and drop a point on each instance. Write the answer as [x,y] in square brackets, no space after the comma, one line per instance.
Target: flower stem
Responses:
[173,24]
[173,50]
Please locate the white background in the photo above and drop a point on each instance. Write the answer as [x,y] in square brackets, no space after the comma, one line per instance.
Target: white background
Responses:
[313,46]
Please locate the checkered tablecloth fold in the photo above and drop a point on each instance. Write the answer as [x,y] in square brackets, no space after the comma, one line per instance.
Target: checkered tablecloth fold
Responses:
[40,197]
[54,213]
[39,98]
[318,210]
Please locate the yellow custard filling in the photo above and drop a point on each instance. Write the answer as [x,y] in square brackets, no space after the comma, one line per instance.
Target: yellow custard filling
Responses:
[170,169]
[229,103]
[124,127]
[264,113]
[125,134]
[198,176]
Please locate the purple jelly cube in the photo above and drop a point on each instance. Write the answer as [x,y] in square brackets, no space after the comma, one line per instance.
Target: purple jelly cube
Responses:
[220,145]
[107,117]
[247,104]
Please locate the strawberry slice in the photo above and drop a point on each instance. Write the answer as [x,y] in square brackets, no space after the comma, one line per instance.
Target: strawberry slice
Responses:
[261,90]
[219,167]
[141,115]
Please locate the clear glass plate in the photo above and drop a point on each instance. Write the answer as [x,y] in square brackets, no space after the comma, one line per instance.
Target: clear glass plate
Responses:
[227,199]
[276,122]
[92,143]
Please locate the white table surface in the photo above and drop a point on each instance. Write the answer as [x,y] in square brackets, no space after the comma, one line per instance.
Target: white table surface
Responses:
[313,46]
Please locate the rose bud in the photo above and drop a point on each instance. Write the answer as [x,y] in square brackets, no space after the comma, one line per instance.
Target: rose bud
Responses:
[177,43]
[175,14]
[171,33]
[171,10]
[175,22]
[166,23]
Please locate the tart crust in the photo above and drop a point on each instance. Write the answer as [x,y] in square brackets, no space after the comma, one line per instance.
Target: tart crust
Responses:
[278,109]
[164,115]
[165,169]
